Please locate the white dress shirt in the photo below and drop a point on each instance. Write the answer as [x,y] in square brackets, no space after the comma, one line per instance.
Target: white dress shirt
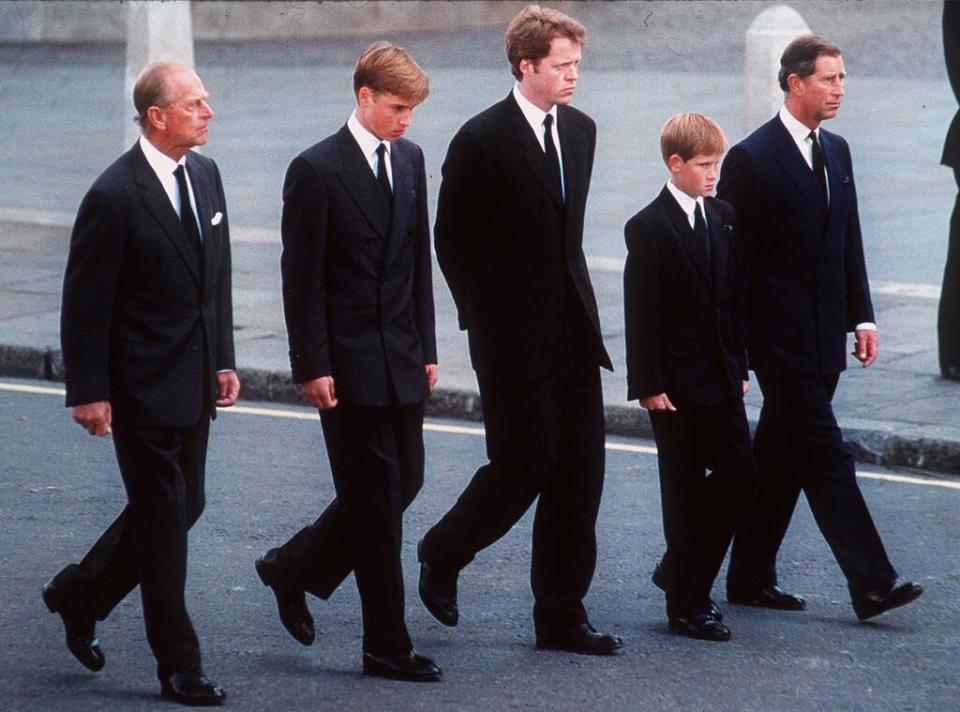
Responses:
[369,144]
[164,166]
[801,136]
[535,116]
[688,204]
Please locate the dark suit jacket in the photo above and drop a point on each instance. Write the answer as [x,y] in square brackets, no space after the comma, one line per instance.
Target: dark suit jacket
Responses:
[507,243]
[951,53]
[357,288]
[146,322]
[807,279]
[685,331]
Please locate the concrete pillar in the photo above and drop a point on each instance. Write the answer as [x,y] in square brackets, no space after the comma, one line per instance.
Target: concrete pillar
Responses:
[769,34]
[156,32]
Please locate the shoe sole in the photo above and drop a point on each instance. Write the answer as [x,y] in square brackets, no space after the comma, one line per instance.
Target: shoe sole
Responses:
[609,650]
[682,631]
[867,615]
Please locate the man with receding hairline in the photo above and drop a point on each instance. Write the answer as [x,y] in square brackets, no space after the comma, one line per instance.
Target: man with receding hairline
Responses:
[791,182]
[147,336]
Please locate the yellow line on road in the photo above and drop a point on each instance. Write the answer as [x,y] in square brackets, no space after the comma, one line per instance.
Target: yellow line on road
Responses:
[475,430]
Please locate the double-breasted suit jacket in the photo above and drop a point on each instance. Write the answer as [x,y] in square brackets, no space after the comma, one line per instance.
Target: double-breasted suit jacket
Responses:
[357,288]
[685,317]
[147,316]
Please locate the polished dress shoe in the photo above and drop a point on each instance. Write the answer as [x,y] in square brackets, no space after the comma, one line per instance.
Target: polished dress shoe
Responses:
[873,603]
[659,579]
[702,626]
[951,373]
[768,597]
[81,634]
[438,591]
[192,688]
[406,668]
[291,604]
[582,639]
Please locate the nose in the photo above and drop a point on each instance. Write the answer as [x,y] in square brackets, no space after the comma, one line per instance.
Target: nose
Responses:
[405,118]
[572,74]
[207,112]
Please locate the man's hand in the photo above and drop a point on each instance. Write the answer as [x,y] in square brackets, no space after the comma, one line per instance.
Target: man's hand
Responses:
[745,385]
[867,346]
[228,389]
[658,402]
[432,375]
[94,417]
[320,393]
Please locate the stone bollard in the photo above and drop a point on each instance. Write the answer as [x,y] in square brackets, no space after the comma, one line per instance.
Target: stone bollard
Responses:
[156,32]
[769,34]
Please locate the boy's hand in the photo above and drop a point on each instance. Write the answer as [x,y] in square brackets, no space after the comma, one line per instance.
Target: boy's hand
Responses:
[746,387]
[658,402]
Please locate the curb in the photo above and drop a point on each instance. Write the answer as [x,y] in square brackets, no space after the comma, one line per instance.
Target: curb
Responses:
[875,446]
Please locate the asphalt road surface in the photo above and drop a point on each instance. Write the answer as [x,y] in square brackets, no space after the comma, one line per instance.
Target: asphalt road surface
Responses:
[267,476]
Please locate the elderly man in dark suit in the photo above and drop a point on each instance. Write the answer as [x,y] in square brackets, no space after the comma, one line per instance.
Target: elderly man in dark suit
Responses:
[791,183]
[358,301]
[147,334]
[948,318]
[509,237]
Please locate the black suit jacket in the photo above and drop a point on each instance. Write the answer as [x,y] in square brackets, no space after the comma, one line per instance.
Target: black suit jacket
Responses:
[951,53]
[146,321]
[509,246]
[357,288]
[807,284]
[685,331]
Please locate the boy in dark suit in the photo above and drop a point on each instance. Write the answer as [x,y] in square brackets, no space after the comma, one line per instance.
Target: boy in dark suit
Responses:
[686,364]
[358,302]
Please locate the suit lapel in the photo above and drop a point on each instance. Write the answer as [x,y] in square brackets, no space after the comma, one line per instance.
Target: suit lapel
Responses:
[157,203]
[835,175]
[684,234]
[361,184]
[203,192]
[402,200]
[788,157]
[533,154]
[719,245]
[573,154]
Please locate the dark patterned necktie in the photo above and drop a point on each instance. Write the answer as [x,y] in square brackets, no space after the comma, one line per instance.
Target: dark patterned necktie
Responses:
[382,178]
[819,170]
[550,148]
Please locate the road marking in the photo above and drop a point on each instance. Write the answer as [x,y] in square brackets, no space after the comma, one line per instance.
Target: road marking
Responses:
[476,430]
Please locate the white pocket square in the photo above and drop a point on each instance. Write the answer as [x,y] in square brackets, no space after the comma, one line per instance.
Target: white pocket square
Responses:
[216,219]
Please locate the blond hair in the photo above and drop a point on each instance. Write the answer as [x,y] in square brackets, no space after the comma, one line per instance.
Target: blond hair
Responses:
[386,68]
[533,29]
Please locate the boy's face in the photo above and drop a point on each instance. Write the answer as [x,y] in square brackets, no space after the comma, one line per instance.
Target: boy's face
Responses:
[696,177]
[385,115]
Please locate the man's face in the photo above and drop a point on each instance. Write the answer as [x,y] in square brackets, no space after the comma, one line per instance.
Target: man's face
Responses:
[553,79]
[818,96]
[184,121]
[385,115]
[697,176]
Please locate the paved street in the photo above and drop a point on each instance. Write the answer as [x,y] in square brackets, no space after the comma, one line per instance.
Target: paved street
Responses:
[267,476]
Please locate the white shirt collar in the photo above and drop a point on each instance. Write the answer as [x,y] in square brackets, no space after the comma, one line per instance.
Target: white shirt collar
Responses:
[161,163]
[367,141]
[687,203]
[532,113]
[797,130]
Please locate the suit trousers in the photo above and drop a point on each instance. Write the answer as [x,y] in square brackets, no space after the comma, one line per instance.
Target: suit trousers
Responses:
[377,459]
[948,315]
[798,446]
[701,509]
[545,438]
[163,472]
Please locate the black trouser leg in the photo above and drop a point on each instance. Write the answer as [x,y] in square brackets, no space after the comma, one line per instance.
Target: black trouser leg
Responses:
[375,454]
[948,313]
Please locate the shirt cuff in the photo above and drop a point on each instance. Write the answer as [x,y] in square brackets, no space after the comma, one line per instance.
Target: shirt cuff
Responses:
[866,326]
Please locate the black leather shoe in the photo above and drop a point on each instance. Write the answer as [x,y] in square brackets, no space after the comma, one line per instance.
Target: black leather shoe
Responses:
[659,579]
[702,626]
[582,639]
[291,604]
[768,597]
[873,603]
[406,668]
[192,688]
[438,591]
[951,373]
[81,635]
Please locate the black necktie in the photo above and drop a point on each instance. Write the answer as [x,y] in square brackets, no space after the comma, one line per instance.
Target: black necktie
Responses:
[700,235]
[382,177]
[550,148]
[819,171]
[187,218]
